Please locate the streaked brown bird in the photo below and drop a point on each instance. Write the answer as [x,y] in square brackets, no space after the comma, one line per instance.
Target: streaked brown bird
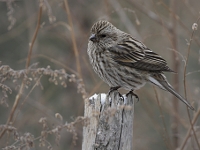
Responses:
[125,62]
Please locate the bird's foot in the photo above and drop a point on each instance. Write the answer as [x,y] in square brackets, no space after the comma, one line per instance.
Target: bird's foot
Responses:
[135,95]
[115,89]
[121,96]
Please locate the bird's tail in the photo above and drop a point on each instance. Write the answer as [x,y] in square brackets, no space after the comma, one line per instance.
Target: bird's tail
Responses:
[161,81]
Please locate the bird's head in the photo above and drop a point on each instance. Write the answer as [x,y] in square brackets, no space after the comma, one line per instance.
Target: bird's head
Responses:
[103,34]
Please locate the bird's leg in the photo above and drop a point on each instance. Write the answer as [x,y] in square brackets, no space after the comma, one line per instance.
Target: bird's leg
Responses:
[132,93]
[115,89]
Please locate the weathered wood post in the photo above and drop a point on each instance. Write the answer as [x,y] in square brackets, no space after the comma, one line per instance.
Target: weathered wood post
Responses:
[110,123]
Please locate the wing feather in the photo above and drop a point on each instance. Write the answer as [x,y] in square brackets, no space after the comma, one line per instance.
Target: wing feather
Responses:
[134,53]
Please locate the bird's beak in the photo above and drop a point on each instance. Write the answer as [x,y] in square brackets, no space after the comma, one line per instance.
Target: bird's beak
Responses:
[93,38]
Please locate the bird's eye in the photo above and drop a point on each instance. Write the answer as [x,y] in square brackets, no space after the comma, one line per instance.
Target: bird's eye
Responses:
[102,35]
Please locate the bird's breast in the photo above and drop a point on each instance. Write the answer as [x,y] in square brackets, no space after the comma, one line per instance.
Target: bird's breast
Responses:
[113,73]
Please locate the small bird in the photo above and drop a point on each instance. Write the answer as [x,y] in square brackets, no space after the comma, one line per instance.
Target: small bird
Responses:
[122,61]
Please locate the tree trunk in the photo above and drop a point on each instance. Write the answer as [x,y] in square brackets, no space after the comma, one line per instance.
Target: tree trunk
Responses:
[110,123]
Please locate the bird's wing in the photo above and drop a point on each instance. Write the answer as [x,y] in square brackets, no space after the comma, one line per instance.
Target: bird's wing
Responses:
[133,53]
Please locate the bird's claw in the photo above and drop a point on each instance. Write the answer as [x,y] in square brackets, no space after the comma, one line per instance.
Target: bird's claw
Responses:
[135,95]
[121,96]
[115,89]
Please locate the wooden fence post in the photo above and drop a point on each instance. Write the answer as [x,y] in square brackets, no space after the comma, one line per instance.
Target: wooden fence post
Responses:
[110,123]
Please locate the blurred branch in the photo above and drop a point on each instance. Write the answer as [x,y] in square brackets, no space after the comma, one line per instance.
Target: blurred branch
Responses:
[78,67]
[164,109]
[157,19]
[55,61]
[178,54]
[59,23]
[166,135]
[150,14]
[17,30]
[190,8]
[189,73]
[180,22]
[176,67]
[18,96]
[124,18]
[10,14]
[56,131]
[34,38]
[194,28]
[189,130]
[97,86]
[34,86]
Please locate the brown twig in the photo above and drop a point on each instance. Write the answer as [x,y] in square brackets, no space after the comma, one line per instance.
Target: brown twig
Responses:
[18,96]
[36,84]
[76,53]
[189,130]
[185,86]
[34,38]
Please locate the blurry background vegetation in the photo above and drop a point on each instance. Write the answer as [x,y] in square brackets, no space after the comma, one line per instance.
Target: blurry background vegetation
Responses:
[165,26]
